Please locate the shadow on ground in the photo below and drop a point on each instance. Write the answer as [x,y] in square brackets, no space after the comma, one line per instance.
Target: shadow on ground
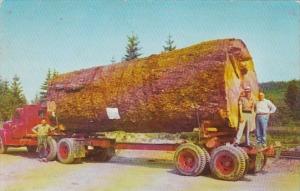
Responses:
[22,152]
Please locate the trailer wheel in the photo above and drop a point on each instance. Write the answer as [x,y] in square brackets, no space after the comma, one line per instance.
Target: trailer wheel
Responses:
[227,163]
[190,159]
[65,152]
[103,155]
[247,159]
[3,148]
[51,149]
[31,149]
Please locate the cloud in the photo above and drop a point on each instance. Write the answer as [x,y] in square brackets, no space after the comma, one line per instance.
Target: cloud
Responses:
[1,2]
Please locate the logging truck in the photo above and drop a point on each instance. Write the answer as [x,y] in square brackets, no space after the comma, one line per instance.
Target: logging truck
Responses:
[213,151]
[195,88]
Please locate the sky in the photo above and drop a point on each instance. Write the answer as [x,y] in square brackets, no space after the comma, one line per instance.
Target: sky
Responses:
[71,35]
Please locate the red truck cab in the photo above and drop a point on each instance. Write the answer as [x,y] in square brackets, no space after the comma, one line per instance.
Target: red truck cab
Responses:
[18,131]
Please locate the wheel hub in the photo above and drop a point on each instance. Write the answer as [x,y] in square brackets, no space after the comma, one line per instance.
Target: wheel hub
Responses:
[225,163]
[64,151]
[186,160]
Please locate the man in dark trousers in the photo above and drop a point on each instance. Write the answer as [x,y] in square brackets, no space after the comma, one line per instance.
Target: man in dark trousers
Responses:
[42,130]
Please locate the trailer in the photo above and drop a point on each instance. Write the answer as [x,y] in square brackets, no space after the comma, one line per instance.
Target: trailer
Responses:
[194,88]
[214,151]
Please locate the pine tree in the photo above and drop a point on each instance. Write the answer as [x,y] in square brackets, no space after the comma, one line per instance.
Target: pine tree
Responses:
[5,111]
[54,74]
[44,87]
[132,48]
[17,98]
[4,87]
[17,91]
[169,44]
[291,97]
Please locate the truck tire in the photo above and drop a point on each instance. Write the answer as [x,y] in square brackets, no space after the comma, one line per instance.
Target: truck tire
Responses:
[227,163]
[190,159]
[103,155]
[31,149]
[247,159]
[3,148]
[207,156]
[65,151]
[51,149]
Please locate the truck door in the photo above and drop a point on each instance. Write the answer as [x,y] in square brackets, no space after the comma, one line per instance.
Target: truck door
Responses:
[18,125]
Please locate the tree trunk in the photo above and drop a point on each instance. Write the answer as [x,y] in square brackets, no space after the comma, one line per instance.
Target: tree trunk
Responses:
[160,93]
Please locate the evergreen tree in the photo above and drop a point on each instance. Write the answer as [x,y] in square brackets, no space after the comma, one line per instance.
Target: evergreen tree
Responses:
[17,92]
[17,98]
[54,74]
[169,44]
[132,48]
[292,97]
[44,87]
[5,110]
[4,87]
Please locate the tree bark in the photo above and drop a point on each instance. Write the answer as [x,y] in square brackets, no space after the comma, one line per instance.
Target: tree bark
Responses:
[160,93]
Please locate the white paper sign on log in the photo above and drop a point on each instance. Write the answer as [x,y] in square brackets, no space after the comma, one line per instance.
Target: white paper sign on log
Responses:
[112,113]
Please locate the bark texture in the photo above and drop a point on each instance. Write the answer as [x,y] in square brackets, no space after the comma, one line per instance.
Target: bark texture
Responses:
[160,93]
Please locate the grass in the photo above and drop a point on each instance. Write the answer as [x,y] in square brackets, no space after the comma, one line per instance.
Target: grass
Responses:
[289,137]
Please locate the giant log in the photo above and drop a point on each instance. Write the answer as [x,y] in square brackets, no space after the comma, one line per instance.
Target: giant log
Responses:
[169,92]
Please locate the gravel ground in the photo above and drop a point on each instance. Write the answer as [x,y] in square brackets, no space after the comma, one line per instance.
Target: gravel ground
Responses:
[132,170]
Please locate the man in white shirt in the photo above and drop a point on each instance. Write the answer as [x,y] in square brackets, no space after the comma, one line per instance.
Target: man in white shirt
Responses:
[263,109]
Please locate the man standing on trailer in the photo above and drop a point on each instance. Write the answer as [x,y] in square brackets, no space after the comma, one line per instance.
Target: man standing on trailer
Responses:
[263,109]
[42,131]
[246,110]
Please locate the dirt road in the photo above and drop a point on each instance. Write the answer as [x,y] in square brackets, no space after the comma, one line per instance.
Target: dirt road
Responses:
[132,170]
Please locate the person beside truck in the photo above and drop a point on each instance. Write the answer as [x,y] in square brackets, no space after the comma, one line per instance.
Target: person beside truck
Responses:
[42,130]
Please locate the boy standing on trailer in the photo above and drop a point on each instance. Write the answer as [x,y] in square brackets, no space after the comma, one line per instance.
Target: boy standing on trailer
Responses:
[42,131]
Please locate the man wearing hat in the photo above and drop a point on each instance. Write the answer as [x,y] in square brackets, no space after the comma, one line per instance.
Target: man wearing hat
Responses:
[246,110]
